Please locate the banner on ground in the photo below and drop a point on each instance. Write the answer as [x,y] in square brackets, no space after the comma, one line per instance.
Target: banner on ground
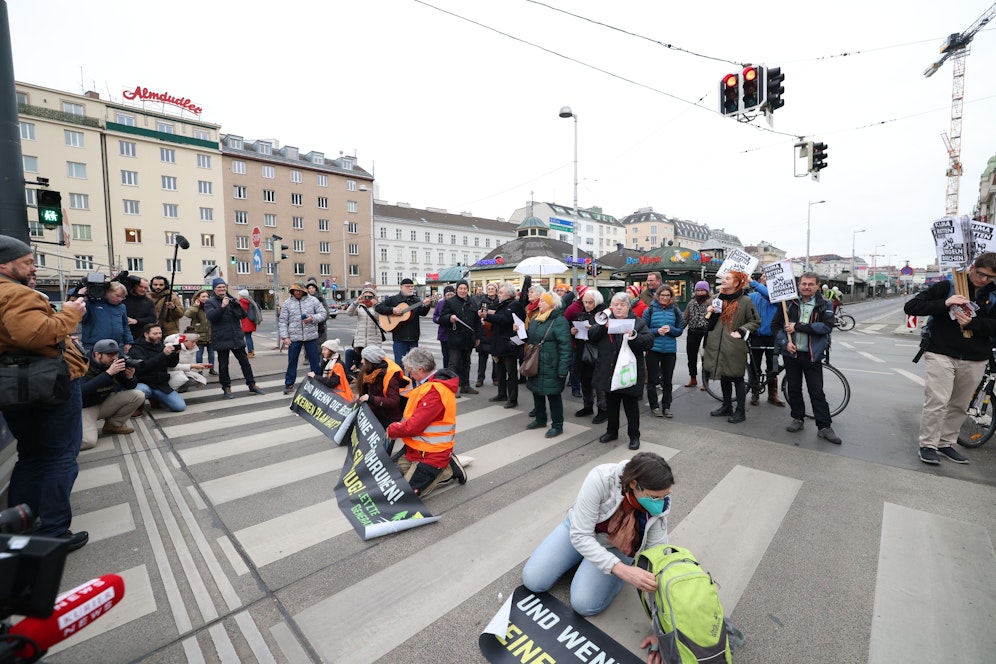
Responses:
[540,629]
[738,260]
[323,409]
[780,281]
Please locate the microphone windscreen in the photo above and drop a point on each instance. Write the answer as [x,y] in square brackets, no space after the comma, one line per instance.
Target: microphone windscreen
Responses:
[182,241]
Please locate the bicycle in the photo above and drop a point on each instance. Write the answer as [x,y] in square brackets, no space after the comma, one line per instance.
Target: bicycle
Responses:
[842,321]
[979,424]
[757,378]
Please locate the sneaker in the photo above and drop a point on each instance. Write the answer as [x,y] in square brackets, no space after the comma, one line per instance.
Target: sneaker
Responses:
[929,455]
[667,413]
[951,454]
[76,540]
[255,390]
[827,434]
[656,412]
[288,389]
[796,426]
[227,393]
[469,390]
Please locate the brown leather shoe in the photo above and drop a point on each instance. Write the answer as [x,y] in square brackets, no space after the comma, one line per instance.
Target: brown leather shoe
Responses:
[139,412]
[111,429]
[692,382]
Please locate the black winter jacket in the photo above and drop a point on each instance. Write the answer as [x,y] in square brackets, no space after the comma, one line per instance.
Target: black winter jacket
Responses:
[156,364]
[226,323]
[97,384]
[945,333]
[466,310]
[501,327]
[609,346]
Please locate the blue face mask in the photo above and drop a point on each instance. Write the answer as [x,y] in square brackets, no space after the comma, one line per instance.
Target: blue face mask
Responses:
[654,506]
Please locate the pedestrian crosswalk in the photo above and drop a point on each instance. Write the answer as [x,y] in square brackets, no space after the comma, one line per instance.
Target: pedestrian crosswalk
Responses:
[223,522]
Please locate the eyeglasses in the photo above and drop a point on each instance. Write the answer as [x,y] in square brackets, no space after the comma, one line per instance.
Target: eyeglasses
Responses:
[665,295]
[664,501]
[984,275]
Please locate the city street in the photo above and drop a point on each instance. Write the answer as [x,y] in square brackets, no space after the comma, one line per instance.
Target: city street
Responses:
[223,523]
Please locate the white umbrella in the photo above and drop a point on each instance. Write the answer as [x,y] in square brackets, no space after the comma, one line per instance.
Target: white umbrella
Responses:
[541,265]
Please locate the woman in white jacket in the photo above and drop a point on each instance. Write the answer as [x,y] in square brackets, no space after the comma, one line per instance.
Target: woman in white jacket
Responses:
[368,332]
[621,509]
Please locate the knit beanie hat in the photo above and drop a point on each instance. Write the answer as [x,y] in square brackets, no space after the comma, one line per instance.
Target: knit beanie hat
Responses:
[218,281]
[244,294]
[633,290]
[701,285]
[581,289]
[373,354]
[11,249]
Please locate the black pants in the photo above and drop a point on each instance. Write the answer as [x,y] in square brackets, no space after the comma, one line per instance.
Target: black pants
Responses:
[507,377]
[240,354]
[482,364]
[795,369]
[460,364]
[728,385]
[660,369]
[767,353]
[695,338]
[632,407]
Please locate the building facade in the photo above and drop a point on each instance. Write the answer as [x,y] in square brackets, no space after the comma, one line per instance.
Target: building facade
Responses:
[646,230]
[597,232]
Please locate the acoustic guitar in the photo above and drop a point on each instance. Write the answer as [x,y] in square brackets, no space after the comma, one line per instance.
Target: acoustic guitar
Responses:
[388,322]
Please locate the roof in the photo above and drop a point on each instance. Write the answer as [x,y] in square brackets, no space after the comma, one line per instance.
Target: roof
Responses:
[532,222]
[515,251]
[643,215]
[405,213]
[690,229]
[291,156]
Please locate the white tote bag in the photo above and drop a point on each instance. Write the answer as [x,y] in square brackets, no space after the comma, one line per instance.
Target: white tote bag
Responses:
[624,375]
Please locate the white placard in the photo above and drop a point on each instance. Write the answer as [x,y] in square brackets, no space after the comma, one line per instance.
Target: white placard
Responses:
[982,238]
[621,325]
[738,260]
[582,327]
[949,240]
[522,326]
[780,281]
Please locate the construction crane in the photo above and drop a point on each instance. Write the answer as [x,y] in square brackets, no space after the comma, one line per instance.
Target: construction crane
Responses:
[956,47]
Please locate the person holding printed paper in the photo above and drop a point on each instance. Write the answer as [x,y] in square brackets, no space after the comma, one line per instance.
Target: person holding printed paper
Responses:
[955,362]
[503,349]
[732,317]
[803,340]
[549,330]
[582,315]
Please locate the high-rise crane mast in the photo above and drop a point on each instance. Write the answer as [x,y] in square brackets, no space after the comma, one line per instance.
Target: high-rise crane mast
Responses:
[956,47]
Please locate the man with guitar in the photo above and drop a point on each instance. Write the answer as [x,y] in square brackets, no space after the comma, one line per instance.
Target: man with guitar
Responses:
[399,314]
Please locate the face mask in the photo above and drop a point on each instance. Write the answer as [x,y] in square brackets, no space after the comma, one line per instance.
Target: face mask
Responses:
[654,506]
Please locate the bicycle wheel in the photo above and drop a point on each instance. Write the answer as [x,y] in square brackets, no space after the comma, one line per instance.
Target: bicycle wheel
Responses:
[979,423]
[836,389]
[713,388]
[845,322]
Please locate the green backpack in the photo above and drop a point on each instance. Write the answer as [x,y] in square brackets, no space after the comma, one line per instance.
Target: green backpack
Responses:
[685,610]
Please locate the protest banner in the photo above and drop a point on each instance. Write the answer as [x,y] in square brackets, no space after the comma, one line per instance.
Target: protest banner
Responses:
[323,409]
[738,260]
[540,629]
[780,281]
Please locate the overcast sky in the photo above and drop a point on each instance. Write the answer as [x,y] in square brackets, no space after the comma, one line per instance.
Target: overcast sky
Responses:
[452,114]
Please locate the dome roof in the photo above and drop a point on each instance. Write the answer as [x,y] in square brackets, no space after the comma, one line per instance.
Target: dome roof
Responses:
[532,222]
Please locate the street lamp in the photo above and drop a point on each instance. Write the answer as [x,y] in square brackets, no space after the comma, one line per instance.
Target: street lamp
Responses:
[874,261]
[809,213]
[566,112]
[854,279]
[345,268]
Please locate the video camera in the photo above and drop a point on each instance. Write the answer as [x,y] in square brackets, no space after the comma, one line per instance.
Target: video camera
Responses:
[30,565]
[96,284]
[133,362]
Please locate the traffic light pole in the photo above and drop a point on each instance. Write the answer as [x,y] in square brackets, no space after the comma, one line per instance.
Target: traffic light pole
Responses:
[13,206]
[276,302]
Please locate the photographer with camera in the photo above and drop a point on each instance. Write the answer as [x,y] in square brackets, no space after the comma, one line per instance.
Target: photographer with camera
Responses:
[154,359]
[141,309]
[109,393]
[106,316]
[169,307]
[225,315]
[368,332]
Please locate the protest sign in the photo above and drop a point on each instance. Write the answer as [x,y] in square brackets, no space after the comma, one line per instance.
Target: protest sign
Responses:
[323,409]
[780,281]
[949,239]
[540,629]
[982,238]
[371,491]
[738,260]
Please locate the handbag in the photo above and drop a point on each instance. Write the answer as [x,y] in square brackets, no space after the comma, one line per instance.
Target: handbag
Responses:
[589,354]
[625,371]
[531,355]
[29,379]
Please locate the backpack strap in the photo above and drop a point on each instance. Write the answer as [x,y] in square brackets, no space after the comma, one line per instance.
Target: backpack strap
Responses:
[383,337]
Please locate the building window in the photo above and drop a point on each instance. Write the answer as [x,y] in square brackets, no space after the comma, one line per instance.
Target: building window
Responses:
[70,108]
[323,180]
[263,147]
[452,239]
[397,255]
[383,233]
[270,220]
[323,202]
[27,131]
[174,266]
[465,240]
[299,269]
[325,247]
[453,258]
[354,271]
[269,269]
[325,269]
[413,235]
[440,240]
[428,256]
[354,250]
[350,185]
[295,177]
[323,224]
[477,240]
[442,257]
[414,253]
[170,237]
[487,243]
[298,246]
[243,267]
[352,206]
[131,207]
[126,120]
[239,192]
[400,276]
[297,199]
[74,139]
[84,263]
[202,134]
[383,254]
[239,167]
[205,187]
[235,143]
[203,161]
[31,196]
[133,235]
[129,178]
[297,223]
[171,210]
[269,196]
[169,182]
[352,227]
[127,148]
[269,172]
[208,265]
[383,278]
[167,155]
[165,127]
[79,201]
[81,232]
[241,241]
[74,169]
[136,264]
[428,237]
[241,217]
[207,240]
[36,229]
[22,98]
[207,214]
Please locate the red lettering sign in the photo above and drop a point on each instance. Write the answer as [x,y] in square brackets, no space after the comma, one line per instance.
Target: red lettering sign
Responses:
[144,94]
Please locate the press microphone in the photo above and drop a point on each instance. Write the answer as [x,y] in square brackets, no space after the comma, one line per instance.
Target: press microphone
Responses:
[74,610]
[182,241]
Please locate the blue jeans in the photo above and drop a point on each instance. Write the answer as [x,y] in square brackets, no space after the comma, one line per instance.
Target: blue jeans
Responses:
[591,589]
[250,348]
[172,400]
[401,349]
[200,353]
[48,442]
[294,352]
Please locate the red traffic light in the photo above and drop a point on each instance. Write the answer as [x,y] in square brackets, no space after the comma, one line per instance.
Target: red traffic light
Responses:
[730,80]
[750,74]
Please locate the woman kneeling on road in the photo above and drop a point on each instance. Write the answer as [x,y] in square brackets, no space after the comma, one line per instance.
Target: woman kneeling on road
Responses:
[621,510]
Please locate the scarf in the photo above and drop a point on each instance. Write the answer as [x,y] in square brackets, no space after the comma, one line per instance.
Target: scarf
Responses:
[622,528]
[730,300]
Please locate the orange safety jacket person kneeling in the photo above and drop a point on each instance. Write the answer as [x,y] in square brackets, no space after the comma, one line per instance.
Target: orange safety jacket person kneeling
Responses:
[428,429]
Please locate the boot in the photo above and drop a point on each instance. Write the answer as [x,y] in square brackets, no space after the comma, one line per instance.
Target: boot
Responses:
[738,416]
[754,398]
[725,409]
[692,382]
[773,393]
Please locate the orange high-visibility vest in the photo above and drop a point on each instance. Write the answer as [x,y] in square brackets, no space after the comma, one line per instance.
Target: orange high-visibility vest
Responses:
[392,368]
[441,434]
[344,390]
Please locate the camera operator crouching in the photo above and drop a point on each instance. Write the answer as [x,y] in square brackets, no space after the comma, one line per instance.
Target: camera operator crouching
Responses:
[109,392]
[153,373]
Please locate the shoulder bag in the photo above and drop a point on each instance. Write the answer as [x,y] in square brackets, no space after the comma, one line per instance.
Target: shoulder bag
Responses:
[28,379]
[530,356]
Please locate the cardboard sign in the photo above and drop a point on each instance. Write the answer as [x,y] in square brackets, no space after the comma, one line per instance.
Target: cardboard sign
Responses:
[949,240]
[738,260]
[780,281]
[540,629]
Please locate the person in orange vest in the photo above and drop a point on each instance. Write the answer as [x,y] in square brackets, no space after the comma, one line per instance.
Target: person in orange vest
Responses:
[379,385]
[332,371]
[428,429]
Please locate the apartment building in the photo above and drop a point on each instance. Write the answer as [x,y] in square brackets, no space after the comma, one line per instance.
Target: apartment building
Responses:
[647,230]
[321,208]
[597,232]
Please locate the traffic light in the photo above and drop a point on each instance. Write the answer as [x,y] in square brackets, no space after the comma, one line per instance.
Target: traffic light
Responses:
[750,81]
[773,88]
[50,208]
[235,260]
[818,157]
[278,249]
[592,269]
[729,94]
